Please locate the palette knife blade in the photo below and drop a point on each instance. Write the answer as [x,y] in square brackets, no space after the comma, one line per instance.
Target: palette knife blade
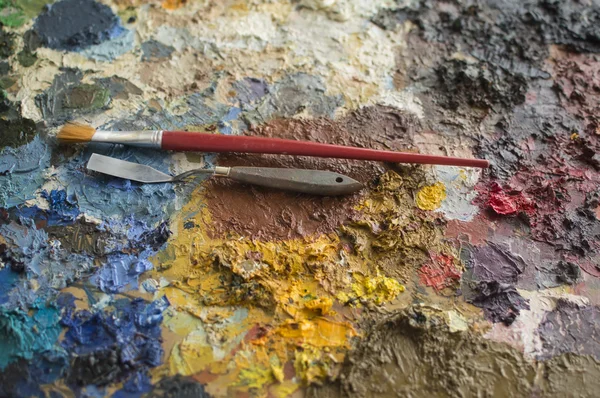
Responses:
[124,169]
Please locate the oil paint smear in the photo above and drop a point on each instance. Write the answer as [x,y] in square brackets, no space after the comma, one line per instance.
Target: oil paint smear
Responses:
[430,281]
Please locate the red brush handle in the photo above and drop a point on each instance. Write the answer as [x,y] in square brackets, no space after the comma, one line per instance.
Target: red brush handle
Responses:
[202,142]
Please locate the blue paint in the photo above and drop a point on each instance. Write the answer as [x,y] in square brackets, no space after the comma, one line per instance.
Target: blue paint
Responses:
[225,126]
[45,261]
[21,172]
[8,280]
[148,286]
[128,261]
[26,336]
[150,202]
[129,336]
[63,209]
[153,50]
[250,90]
[294,94]
[123,343]
[26,245]
[121,272]
[137,385]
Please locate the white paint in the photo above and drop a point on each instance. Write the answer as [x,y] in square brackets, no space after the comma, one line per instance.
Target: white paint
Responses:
[111,49]
[181,163]
[88,218]
[404,100]
[456,322]
[355,58]
[103,302]
[459,184]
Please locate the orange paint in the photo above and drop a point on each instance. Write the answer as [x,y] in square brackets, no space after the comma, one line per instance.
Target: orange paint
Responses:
[173,4]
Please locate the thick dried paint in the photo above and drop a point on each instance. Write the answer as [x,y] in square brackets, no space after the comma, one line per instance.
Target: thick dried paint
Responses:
[415,285]
[414,352]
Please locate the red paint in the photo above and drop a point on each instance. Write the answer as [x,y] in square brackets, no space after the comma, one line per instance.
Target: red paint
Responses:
[545,195]
[440,273]
[203,142]
[505,204]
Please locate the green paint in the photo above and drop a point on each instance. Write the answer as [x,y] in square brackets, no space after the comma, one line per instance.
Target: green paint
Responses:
[87,96]
[26,336]
[7,82]
[14,129]
[15,133]
[14,13]
[26,58]
[7,44]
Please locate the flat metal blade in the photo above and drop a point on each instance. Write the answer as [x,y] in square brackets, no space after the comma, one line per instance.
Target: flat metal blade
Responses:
[124,169]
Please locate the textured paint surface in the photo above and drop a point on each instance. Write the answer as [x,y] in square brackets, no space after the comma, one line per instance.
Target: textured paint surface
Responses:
[431,197]
[76,24]
[431,281]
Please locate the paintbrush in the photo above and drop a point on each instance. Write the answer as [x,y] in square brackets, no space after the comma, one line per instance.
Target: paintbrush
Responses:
[204,142]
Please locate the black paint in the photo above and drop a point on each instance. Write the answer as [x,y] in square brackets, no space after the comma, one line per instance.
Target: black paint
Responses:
[156,237]
[479,87]
[178,386]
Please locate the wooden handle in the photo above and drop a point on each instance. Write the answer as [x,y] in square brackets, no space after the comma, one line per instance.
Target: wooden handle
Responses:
[202,142]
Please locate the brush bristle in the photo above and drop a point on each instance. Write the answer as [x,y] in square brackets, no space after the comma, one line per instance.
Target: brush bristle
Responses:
[75,132]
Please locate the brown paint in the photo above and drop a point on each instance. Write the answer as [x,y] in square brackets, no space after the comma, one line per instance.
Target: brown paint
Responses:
[269,214]
[413,353]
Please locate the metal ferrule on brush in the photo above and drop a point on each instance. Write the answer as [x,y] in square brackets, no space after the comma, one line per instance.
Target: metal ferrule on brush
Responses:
[145,139]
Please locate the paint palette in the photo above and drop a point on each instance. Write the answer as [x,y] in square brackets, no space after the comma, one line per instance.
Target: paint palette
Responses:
[432,281]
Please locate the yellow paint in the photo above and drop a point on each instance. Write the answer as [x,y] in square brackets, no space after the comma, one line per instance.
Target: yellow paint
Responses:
[320,305]
[312,364]
[320,332]
[277,369]
[378,289]
[255,378]
[431,197]
[247,308]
